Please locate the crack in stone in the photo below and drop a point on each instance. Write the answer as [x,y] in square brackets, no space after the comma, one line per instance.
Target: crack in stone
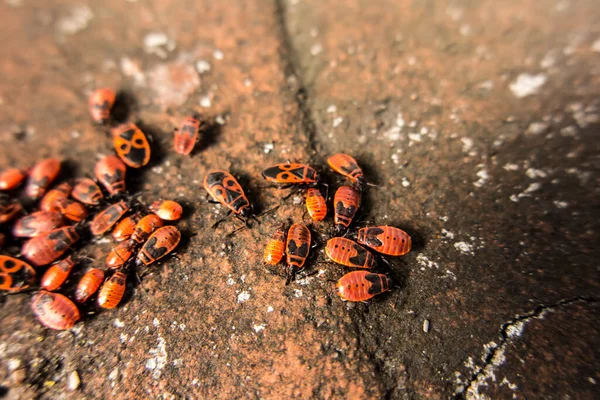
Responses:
[508,331]
[292,69]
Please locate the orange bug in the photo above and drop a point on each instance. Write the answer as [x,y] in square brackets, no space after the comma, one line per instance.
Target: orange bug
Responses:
[290,174]
[112,291]
[345,202]
[385,239]
[159,244]
[73,210]
[186,136]
[15,275]
[144,228]
[297,248]
[275,246]
[346,165]
[125,228]
[316,205]
[54,196]
[47,247]
[41,176]
[131,145]
[54,310]
[361,285]
[225,189]
[346,252]
[106,218]
[37,223]
[12,178]
[88,285]
[100,103]
[119,255]
[9,211]
[87,192]
[110,172]
[167,210]
[57,274]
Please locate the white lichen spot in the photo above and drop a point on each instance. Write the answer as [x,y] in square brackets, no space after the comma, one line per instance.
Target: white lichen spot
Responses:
[393,134]
[527,84]
[114,374]
[123,338]
[296,200]
[426,262]
[535,186]
[537,128]
[202,66]
[414,137]
[447,234]
[514,197]
[467,144]
[205,102]
[79,17]
[159,361]
[156,322]
[464,247]
[270,309]
[243,297]
[297,292]
[337,122]
[218,54]
[331,109]
[118,323]
[405,182]
[515,330]
[268,147]
[396,158]
[560,204]
[535,173]
[259,328]
[230,281]
[511,167]
[483,178]
[316,49]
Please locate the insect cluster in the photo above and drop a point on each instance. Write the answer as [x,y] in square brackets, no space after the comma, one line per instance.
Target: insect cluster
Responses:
[72,212]
[295,242]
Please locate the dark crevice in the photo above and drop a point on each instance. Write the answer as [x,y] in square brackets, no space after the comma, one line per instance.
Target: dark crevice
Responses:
[506,339]
[292,68]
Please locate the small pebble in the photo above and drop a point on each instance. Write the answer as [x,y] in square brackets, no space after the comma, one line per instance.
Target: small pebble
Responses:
[73,381]
[426,326]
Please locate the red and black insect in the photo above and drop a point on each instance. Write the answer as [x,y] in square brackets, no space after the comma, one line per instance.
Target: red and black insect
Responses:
[49,246]
[112,291]
[347,166]
[54,310]
[87,192]
[54,196]
[276,246]
[290,174]
[297,248]
[12,178]
[316,205]
[144,228]
[225,189]
[119,255]
[108,217]
[361,285]
[57,274]
[131,145]
[100,103]
[126,227]
[186,136]
[167,210]
[385,239]
[9,211]
[15,275]
[36,223]
[72,210]
[88,285]
[345,202]
[110,172]
[159,244]
[346,252]
[41,176]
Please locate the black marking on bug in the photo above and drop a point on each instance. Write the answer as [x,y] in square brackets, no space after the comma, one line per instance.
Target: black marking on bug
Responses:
[295,250]
[372,240]
[152,250]
[8,265]
[216,178]
[361,256]
[376,286]
[188,129]
[136,155]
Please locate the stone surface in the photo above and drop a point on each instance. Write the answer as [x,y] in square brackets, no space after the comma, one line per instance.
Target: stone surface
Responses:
[478,123]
